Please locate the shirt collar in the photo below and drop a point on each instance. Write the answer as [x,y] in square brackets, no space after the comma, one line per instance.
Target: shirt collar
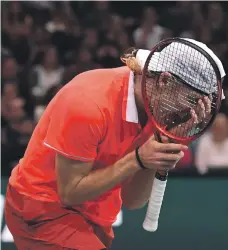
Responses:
[130,113]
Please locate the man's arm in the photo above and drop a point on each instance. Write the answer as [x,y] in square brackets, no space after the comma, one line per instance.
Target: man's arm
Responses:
[136,191]
[77,182]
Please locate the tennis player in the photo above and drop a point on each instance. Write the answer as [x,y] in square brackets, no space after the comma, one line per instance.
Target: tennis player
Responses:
[80,165]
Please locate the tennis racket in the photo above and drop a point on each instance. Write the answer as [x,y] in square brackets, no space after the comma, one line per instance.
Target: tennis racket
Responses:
[177,75]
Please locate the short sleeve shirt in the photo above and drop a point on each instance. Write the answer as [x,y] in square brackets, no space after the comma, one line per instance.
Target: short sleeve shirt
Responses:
[92,119]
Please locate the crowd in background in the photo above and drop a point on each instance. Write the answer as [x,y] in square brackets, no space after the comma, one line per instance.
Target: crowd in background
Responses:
[46,44]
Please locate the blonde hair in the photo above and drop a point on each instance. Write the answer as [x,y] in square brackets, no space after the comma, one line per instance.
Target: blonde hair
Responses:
[129,58]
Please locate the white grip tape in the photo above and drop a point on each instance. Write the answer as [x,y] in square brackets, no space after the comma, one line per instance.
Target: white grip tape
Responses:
[155,202]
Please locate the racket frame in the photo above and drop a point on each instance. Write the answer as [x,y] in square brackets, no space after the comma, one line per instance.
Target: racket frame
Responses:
[151,224]
[158,48]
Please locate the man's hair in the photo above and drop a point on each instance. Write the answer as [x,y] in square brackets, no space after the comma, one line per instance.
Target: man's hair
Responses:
[129,58]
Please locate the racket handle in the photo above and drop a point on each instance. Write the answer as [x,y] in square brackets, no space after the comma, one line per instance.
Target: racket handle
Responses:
[150,223]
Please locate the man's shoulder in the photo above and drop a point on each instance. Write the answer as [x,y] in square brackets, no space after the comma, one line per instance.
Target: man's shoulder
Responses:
[102,74]
[96,88]
[97,82]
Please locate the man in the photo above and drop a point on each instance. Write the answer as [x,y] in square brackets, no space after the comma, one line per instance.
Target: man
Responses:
[80,165]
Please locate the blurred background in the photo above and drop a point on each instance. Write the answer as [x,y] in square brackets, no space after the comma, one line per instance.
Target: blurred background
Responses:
[45,44]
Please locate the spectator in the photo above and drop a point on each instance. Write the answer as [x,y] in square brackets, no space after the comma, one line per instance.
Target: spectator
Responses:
[118,34]
[203,33]
[45,45]
[72,68]
[9,69]
[196,24]
[11,73]
[150,32]
[9,93]
[124,42]
[212,151]
[117,27]
[99,17]
[16,134]
[17,26]
[64,28]
[178,18]
[108,55]
[224,106]
[40,41]
[51,92]
[217,20]
[58,21]
[90,40]
[47,74]
[85,59]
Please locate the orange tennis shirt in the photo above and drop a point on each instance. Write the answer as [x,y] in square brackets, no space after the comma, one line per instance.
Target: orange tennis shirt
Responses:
[92,119]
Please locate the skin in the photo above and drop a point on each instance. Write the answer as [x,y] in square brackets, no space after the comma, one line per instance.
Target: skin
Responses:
[79,183]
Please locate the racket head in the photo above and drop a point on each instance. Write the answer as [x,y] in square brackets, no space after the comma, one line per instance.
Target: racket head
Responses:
[181,94]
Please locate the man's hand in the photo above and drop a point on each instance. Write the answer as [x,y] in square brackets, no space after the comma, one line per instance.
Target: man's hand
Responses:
[202,110]
[161,156]
[156,157]
[201,113]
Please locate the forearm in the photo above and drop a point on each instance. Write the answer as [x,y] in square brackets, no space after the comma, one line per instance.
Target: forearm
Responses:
[99,181]
[136,192]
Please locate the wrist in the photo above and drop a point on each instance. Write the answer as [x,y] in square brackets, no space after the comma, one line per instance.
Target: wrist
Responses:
[138,160]
[131,158]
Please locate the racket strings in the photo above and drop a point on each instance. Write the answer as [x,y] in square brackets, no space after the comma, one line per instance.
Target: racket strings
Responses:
[172,99]
[174,86]
[191,97]
[186,99]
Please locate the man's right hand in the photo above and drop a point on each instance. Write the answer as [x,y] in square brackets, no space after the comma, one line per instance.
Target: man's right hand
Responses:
[160,156]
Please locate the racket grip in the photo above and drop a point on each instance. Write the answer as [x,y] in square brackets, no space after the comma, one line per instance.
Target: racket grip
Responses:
[150,223]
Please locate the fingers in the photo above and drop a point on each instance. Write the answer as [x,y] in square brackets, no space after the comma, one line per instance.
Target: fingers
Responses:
[162,156]
[165,139]
[194,117]
[207,103]
[167,162]
[201,109]
[162,167]
[164,161]
[169,147]
[169,157]
[163,78]
[200,112]
[204,106]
